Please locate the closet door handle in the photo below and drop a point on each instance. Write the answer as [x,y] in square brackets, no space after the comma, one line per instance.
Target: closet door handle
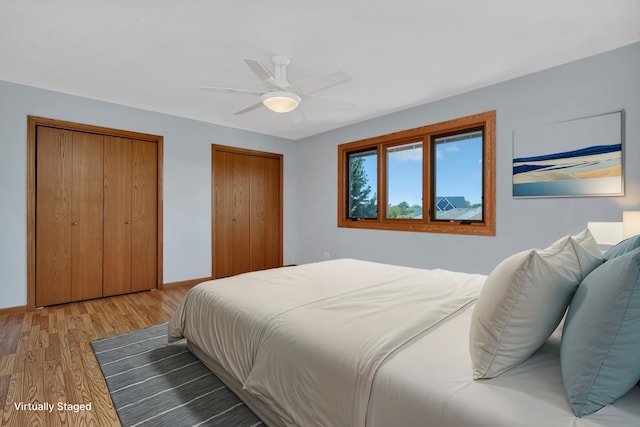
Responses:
[75,223]
[127,222]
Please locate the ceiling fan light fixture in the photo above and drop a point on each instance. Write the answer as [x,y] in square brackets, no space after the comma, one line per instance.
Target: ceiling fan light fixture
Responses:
[281,102]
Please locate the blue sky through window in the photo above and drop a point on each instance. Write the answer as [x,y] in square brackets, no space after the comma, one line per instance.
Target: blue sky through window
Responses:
[458,172]
[459,169]
[404,174]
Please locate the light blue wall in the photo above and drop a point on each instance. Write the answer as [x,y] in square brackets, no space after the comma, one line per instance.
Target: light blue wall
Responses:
[186,179]
[592,86]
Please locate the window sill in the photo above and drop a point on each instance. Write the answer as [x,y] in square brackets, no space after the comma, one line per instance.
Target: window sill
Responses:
[473,229]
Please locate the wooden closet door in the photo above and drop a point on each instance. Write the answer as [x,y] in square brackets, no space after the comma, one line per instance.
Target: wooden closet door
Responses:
[86,217]
[117,216]
[231,213]
[257,213]
[222,213]
[272,213]
[240,208]
[247,211]
[53,217]
[144,220]
[69,216]
[264,208]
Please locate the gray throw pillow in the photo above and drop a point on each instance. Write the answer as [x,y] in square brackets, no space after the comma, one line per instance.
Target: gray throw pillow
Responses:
[600,340]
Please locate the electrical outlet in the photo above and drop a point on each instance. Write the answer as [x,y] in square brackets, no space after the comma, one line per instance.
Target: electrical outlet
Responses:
[325,255]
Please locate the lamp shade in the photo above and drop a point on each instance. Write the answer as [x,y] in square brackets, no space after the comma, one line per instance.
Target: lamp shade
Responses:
[606,233]
[281,102]
[630,223]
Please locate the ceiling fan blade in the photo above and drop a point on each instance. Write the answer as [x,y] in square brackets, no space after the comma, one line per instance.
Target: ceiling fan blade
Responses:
[314,101]
[320,83]
[262,73]
[259,69]
[296,115]
[231,90]
[249,108]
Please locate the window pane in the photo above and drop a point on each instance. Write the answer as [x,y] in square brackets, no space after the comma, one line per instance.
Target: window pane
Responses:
[404,181]
[458,177]
[363,184]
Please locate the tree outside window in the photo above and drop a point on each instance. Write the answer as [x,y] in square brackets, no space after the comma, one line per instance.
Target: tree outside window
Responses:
[362,197]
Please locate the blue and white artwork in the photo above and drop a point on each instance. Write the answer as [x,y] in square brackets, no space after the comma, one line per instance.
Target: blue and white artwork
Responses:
[575,158]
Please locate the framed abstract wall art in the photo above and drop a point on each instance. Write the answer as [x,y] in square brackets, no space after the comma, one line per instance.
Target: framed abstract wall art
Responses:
[581,157]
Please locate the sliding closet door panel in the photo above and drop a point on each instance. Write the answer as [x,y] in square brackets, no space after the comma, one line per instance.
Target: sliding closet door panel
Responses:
[240,226]
[86,208]
[257,213]
[222,213]
[53,216]
[272,214]
[144,210]
[117,216]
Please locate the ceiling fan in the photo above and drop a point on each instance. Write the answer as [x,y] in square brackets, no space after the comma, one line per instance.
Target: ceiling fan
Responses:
[282,96]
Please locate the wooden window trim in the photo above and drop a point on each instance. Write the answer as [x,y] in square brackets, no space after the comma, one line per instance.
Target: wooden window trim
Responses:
[486,227]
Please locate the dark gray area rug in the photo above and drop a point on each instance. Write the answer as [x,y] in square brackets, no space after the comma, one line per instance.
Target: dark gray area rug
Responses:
[153,383]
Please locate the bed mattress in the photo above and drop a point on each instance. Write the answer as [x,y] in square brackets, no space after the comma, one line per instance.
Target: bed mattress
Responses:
[429,384]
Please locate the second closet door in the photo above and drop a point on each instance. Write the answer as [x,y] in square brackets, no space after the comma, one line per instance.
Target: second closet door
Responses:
[247,212]
[86,230]
[130,220]
[264,213]
[144,218]
[117,216]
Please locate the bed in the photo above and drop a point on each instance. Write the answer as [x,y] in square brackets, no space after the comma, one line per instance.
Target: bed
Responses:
[313,345]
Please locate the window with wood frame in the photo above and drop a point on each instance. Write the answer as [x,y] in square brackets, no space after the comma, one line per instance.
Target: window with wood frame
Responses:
[438,178]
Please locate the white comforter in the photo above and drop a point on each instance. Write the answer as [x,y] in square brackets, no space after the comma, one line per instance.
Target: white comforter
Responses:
[308,340]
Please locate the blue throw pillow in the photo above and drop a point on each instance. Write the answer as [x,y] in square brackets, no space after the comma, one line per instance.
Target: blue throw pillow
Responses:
[623,247]
[600,341]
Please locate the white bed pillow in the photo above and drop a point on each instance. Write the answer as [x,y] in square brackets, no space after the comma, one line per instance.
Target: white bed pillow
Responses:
[522,302]
[588,242]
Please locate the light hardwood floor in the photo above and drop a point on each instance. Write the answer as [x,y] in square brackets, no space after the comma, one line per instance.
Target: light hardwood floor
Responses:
[46,356]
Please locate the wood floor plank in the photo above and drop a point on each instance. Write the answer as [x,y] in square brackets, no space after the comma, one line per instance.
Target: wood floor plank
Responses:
[34,338]
[46,356]
[4,389]
[10,333]
[80,393]
[52,352]
[33,386]
[10,415]
[56,392]
[6,365]
[26,321]
[21,351]
[99,325]
[102,403]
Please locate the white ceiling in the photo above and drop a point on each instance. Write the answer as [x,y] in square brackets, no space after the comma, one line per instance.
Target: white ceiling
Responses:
[152,54]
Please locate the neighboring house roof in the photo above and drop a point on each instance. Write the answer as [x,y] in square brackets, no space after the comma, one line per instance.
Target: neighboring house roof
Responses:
[456,214]
[445,203]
